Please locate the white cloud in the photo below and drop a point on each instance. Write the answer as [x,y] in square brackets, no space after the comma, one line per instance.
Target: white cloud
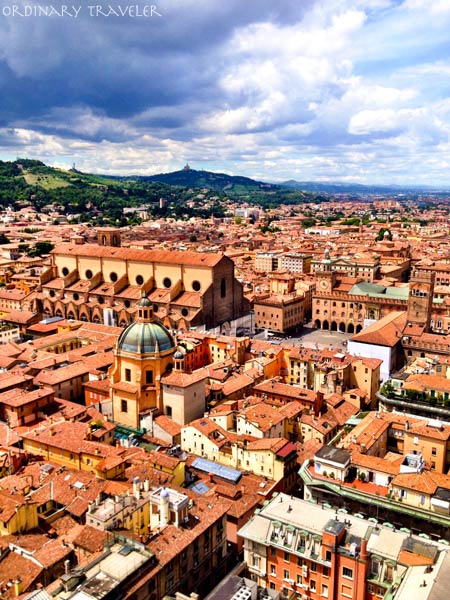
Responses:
[337,90]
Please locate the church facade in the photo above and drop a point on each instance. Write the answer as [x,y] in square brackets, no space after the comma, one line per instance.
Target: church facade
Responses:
[102,283]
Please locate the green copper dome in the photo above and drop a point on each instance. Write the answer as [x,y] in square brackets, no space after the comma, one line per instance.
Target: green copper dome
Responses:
[146,338]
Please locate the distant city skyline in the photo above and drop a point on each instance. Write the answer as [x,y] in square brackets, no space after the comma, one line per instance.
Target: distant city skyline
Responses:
[356,91]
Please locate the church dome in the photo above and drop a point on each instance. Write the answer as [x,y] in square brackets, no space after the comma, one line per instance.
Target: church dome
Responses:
[144,301]
[146,338]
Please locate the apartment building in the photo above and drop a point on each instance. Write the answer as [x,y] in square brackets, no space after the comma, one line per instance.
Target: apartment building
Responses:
[332,372]
[391,467]
[296,262]
[282,313]
[308,551]
[272,458]
[362,265]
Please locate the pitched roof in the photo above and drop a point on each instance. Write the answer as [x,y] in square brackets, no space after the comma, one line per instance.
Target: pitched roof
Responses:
[385,332]
[145,256]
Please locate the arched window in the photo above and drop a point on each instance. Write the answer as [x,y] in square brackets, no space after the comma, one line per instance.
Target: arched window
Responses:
[223,287]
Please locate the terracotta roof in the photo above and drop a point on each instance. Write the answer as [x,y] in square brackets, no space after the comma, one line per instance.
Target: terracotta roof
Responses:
[237,382]
[385,332]
[22,317]
[376,463]
[216,434]
[192,299]
[273,444]
[14,564]
[145,256]
[12,294]
[8,504]
[168,425]
[10,380]
[124,386]
[60,374]
[291,409]
[180,379]
[20,397]
[91,539]
[284,389]
[263,416]
[99,385]
[423,382]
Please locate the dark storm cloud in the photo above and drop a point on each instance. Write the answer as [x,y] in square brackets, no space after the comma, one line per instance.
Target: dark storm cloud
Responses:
[119,67]
[297,86]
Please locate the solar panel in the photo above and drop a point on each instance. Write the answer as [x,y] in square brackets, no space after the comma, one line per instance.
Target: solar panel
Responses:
[208,466]
[200,488]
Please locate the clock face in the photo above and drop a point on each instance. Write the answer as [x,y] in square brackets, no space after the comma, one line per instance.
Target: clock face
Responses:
[323,284]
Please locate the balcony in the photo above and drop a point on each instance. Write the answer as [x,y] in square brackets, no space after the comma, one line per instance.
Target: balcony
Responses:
[416,404]
[370,494]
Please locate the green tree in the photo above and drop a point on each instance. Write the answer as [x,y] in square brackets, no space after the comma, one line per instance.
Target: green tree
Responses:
[41,248]
[380,235]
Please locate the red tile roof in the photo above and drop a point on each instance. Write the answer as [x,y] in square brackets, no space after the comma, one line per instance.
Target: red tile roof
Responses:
[145,256]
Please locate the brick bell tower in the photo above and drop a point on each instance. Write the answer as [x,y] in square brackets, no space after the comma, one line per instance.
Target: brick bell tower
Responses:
[108,236]
[420,300]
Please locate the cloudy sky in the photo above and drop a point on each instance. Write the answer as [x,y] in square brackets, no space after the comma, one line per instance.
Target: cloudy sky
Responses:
[350,90]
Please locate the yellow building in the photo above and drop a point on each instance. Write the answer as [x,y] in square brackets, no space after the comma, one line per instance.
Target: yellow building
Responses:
[172,465]
[129,511]
[432,441]
[68,444]
[17,515]
[144,352]
[426,491]
[273,458]
[334,372]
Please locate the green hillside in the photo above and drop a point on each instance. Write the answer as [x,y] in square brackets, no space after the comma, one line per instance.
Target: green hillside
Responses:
[101,199]
[236,187]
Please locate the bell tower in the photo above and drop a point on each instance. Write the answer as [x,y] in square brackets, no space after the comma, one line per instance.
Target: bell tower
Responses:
[108,236]
[420,300]
[326,278]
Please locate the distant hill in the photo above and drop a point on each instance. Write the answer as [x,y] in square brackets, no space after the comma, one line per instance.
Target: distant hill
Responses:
[219,182]
[113,200]
[340,187]
[96,199]
[234,186]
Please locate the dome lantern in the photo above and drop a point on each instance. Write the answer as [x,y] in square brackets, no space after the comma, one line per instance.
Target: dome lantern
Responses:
[145,310]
